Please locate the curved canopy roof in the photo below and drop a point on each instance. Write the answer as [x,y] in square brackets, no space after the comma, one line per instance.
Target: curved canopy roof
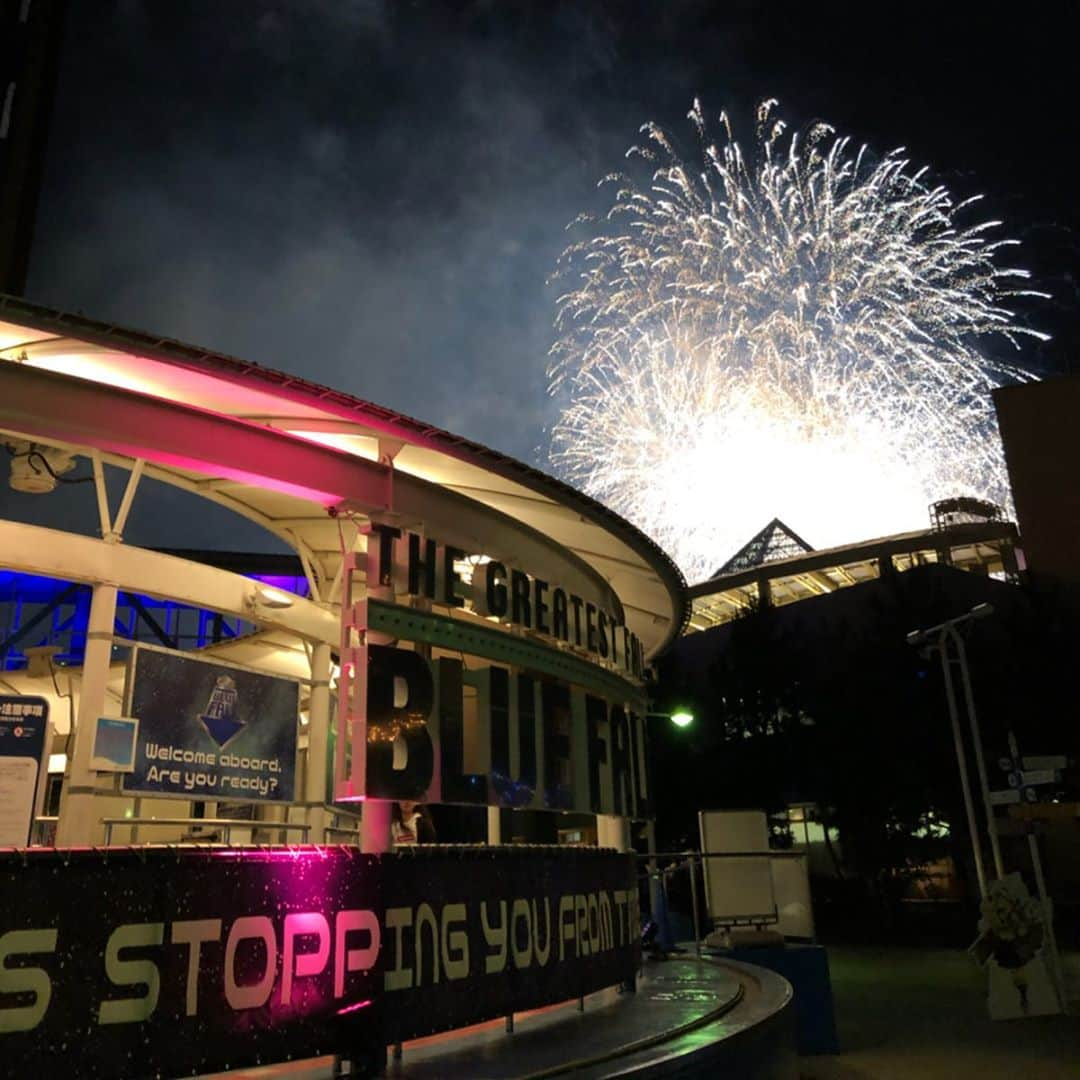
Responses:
[280,450]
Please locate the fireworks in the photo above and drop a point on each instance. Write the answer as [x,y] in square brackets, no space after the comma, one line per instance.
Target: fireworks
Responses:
[794,334]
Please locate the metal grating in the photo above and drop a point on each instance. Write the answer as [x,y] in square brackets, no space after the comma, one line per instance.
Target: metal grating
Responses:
[775,541]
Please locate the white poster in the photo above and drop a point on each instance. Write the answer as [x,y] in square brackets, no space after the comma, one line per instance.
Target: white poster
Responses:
[23,723]
[738,890]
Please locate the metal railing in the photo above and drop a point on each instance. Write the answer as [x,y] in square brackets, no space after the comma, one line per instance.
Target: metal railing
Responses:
[43,833]
[226,825]
[348,836]
[691,861]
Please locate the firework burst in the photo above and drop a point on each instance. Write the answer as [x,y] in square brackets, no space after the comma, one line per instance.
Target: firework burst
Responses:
[793,334]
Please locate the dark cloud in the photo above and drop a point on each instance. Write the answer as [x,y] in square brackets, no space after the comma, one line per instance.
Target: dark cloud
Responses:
[372,194]
[371,200]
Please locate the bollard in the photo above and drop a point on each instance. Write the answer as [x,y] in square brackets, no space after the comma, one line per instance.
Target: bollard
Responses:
[694,901]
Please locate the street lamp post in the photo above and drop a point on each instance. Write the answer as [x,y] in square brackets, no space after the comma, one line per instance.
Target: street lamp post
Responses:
[976,738]
[938,638]
[682,718]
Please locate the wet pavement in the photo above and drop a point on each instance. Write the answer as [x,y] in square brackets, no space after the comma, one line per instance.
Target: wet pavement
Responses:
[683,1011]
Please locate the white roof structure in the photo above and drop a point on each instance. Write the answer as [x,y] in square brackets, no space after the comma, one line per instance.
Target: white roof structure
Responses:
[282,451]
[980,547]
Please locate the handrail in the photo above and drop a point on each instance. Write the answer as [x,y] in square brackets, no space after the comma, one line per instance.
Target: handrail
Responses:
[689,860]
[353,832]
[38,830]
[226,824]
[767,853]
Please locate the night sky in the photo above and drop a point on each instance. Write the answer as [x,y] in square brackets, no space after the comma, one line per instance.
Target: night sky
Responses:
[373,194]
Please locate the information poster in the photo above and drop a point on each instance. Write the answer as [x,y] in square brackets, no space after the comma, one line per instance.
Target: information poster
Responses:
[23,724]
[115,739]
[210,731]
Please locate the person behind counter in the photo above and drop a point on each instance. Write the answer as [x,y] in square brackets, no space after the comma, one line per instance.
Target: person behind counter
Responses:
[411,824]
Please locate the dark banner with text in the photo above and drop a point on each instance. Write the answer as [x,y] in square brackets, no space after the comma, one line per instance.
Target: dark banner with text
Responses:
[158,962]
[524,927]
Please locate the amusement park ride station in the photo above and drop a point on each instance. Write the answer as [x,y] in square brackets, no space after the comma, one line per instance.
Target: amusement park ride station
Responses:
[203,763]
[380,803]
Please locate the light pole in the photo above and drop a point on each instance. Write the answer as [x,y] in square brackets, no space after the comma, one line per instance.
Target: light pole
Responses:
[681,718]
[938,638]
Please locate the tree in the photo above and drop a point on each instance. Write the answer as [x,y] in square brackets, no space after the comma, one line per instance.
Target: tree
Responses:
[825,701]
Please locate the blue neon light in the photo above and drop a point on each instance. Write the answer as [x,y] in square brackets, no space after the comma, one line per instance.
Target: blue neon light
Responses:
[62,609]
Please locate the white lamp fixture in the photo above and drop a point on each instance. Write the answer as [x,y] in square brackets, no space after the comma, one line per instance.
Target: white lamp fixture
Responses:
[39,660]
[36,470]
[265,596]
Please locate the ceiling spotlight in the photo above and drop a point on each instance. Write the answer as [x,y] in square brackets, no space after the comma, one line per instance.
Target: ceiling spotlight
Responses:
[36,469]
[265,596]
[39,660]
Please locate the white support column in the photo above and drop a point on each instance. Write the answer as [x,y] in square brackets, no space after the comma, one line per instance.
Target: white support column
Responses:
[318,743]
[494,825]
[307,561]
[102,493]
[375,837]
[376,834]
[118,526]
[78,823]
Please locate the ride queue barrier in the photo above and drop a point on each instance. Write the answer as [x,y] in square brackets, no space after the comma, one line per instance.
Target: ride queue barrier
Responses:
[226,825]
[692,862]
[800,960]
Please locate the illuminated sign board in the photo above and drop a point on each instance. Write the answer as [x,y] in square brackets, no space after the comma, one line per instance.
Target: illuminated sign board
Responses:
[512,720]
[425,568]
[440,732]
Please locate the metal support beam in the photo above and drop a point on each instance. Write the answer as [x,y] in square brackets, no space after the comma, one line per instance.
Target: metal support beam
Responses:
[307,561]
[156,628]
[129,496]
[318,742]
[51,406]
[335,586]
[102,493]
[21,632]
[70,557]
[77,826]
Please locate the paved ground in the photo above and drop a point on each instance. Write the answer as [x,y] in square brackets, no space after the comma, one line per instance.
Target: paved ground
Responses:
[920,1014]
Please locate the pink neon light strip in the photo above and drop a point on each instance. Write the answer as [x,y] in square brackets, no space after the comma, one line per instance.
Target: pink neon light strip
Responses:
[353,1008]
